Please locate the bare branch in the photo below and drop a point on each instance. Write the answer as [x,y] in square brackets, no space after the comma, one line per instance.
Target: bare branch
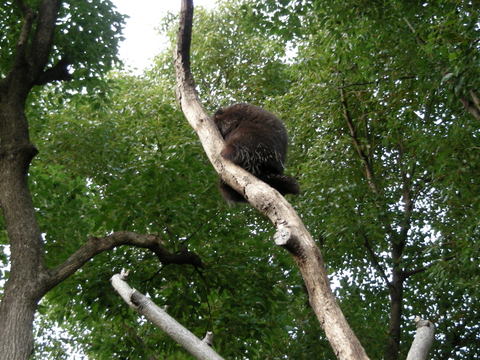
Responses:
[208,338]
[408,204]
[374,260]
[410,26]
[378,81]
[421,269]
[95,246]
[423,340]
[146,307]
[291,232]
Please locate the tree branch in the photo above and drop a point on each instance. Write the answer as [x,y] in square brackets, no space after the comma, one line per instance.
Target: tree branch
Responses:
[363,157]
[43,37]
[423,340]
[409,273]
[374,260]
[23,7]
[472,106]
[58,72]
[22,43]
[412,29]
[408,204]
[475,99]
[378,81]
[198,348]
[95,246]
[291,232]
[33,51]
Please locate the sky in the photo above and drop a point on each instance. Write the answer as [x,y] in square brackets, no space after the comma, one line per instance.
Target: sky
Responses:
[142,40]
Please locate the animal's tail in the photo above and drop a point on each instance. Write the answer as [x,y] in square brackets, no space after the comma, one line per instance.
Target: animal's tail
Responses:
[282,183]
[229,194]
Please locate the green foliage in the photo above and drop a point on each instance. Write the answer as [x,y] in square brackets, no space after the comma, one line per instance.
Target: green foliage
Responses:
[231,62]
[127,162]
[390,60]
[124,158]
[90,45]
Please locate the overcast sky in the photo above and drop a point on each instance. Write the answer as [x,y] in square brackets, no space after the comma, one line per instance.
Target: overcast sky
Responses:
[142,42]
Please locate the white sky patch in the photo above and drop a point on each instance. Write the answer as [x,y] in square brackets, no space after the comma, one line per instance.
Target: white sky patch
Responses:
[142,39]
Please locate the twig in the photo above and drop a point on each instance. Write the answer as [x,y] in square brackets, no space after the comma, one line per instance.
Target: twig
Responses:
[410,26]
[374,260]
[353,134]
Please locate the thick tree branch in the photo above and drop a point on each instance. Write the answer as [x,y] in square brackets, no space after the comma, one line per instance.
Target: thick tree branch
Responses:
[33,50]
[22,6]
[58,72]
[22,42]
[423,340]
[95,246]
[43,37]
[291,232]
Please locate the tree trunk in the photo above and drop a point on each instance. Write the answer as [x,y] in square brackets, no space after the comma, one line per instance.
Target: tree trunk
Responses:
[16,324]
[23,288]
[392,348]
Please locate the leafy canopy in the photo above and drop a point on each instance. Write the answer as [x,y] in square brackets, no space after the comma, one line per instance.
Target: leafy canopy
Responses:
[125,159]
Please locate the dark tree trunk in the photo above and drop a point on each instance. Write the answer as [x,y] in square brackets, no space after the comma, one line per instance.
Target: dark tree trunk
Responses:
[16,324]
[29,280]
[392,348]
[22,289]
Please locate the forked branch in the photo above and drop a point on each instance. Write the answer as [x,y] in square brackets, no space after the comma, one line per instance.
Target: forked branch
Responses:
[95,246]
[291,232]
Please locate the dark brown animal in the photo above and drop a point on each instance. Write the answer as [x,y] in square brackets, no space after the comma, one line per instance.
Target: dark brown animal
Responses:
[255,140]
